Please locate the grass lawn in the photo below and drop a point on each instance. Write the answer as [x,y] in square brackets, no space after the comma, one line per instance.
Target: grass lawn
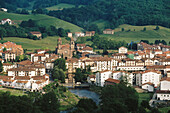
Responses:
[164,110]
[70,101]
[43,20]
[144,96]
[136,33]
[13,91]
[60,6]
[47,43]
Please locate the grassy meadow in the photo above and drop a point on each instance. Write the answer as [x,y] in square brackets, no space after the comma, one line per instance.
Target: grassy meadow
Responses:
[43,20]
[30,45]
[60,7]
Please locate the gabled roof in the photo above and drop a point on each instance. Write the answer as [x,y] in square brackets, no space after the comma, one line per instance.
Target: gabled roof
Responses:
[165,79]
[112,80]
[149,83]
[87,48]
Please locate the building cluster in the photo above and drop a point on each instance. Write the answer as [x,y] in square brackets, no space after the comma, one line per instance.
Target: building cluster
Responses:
[31,75]
[89,33]
[146,67]
[26,75]
[10,50]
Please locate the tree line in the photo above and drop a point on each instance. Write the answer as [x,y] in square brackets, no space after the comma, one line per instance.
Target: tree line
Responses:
[115,12]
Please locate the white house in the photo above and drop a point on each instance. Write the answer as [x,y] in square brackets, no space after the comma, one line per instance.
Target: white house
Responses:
[163,95]
[165,83]
[4,9]
[148,86]
[102,76]
[87,49]
[6,20]
[123,50]
[7,66]
[164,92]
[79,34]
[151,76]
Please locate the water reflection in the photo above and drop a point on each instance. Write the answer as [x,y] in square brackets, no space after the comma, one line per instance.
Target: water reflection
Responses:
[86,93]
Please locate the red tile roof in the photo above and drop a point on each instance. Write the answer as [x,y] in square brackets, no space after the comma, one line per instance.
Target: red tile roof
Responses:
[112,80]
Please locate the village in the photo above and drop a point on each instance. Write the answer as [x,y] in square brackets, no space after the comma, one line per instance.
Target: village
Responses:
[147,69]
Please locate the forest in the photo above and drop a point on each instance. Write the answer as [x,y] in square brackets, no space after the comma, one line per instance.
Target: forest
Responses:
[117,12]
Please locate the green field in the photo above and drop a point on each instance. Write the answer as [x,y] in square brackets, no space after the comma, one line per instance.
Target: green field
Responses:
[47,43]
[143,96]
[13,91]
[137,35]
[60,6]
[43,20]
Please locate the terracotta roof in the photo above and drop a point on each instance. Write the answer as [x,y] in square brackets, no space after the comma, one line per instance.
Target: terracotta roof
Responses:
[22,78]
[104,71]
[148,83]
[112,80]
[163,91]
[165,79]
[7,64]
[5,19]
[108,30]
[21,69]
[38,77]
[5,77]
[26,62]
[38,82]
[147,71]
[81,45]
[72,60]
[35,32]
[18,81]
[87,48]
[92,76]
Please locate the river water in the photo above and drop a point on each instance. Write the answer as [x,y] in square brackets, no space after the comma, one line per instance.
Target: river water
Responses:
[84,93]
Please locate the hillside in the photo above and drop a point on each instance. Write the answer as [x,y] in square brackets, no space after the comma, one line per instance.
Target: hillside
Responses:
[30,45]
[60,6]
[113,13]
[136,33]
[42,20]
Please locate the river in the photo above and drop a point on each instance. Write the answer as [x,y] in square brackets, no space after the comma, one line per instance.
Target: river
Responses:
[84,93]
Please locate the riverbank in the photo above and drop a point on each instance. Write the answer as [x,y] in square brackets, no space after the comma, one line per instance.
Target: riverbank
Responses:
[68,101]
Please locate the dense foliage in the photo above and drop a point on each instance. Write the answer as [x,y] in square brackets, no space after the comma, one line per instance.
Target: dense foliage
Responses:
[81,74]
[47,103]
[117,12]
[58,70]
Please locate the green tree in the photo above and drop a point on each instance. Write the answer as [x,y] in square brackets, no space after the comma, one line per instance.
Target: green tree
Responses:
[85,106]
[123,29]
[80,75]
[60,63]
[4,49]
[118,98]
[144,29]
[49,103]
[157,28]
[58,74]
[2,33]
[1,67]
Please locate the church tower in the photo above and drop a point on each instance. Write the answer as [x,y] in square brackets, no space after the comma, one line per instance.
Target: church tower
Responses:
[72,44]
[59,43]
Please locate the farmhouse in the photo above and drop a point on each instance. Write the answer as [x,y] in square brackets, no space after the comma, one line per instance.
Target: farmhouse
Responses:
[6,20]
[36,33]
[108,31]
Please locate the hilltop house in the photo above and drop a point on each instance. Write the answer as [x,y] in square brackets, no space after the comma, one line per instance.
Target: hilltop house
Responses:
[108,31]
[36,33]
[90,33]
[3,9]
[79,34]
[123,50]
[6,20]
